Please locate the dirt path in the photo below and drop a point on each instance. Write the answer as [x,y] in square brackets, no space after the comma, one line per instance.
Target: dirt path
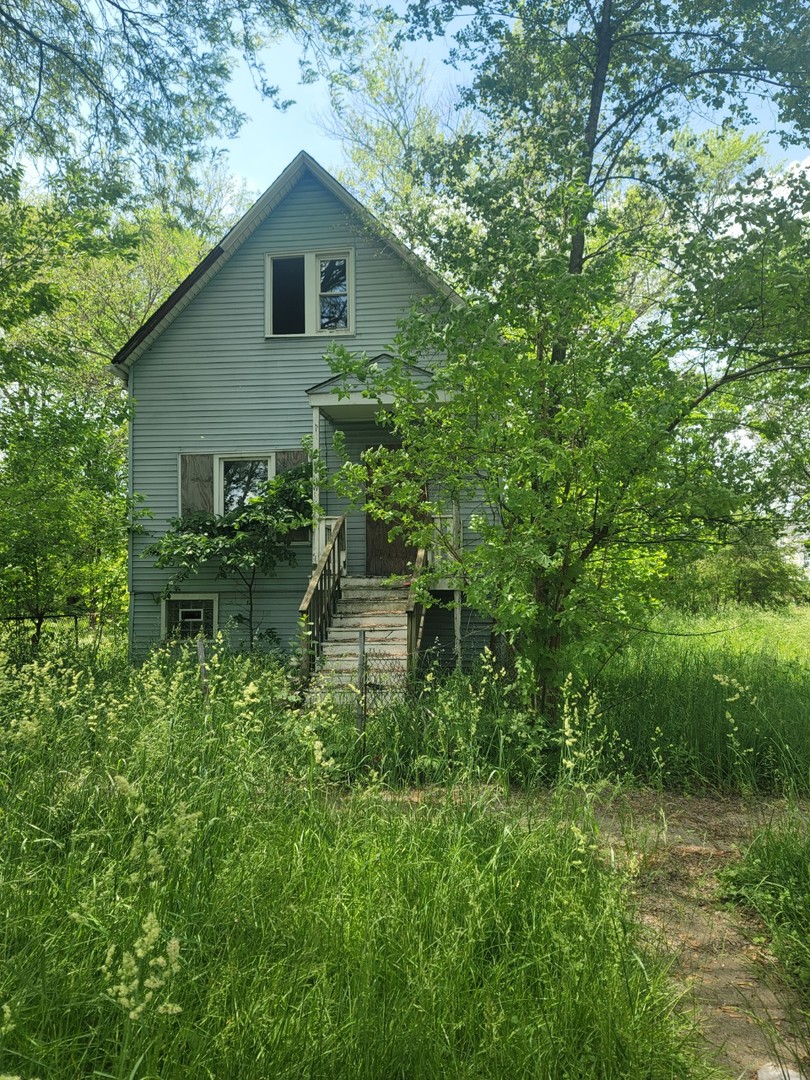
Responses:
[675,846]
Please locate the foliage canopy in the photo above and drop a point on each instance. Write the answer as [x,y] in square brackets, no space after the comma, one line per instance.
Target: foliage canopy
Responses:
[105,81]
[634,296]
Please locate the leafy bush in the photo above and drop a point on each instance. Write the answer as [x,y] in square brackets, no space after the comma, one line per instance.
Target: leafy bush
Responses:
[755,570]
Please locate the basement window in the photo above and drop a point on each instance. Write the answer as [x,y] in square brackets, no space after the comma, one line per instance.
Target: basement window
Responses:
[309,294]
[189,616]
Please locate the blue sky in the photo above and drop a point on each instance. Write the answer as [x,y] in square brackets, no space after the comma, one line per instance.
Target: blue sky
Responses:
[271,139]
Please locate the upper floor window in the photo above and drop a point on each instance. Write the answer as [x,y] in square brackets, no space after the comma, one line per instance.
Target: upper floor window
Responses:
[311,293]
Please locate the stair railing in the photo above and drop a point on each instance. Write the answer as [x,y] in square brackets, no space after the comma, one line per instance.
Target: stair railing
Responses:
[319,601]
[415,613]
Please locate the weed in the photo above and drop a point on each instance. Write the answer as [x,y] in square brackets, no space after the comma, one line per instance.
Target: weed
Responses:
[186,892]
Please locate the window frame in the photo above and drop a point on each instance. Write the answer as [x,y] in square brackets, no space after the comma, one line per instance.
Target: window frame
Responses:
[219,473]
[190,599]
[312,292]
[218,470]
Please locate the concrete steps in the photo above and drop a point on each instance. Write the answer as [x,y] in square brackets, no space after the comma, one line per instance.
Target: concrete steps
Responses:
[381,612]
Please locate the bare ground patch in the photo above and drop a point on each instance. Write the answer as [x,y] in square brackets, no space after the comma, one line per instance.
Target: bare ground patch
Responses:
[675,846]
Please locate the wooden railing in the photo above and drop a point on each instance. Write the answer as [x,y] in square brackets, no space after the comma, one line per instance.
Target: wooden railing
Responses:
[319,601]
[415,612]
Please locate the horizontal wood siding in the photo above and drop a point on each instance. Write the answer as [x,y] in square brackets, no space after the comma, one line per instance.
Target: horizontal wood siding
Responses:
[212,383]
[438,636]
[276,611]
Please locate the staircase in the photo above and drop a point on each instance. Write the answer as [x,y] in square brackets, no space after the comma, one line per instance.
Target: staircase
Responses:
[379,610]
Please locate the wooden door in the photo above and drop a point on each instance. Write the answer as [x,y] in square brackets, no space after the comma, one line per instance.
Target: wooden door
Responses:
[386,555]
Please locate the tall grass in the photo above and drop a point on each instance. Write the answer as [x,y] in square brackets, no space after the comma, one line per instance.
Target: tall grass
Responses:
[773,879]
[712,705]
[183,896]
[726,711]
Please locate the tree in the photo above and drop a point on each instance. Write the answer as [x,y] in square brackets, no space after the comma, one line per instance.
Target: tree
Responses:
[246,543]
[38,234]
[65,513]
[385,117]
[109,82]
[629,306]
[63,507]
[755,569]
[153,257]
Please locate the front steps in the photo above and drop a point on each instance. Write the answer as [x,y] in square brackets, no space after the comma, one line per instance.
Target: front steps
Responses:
[379,610]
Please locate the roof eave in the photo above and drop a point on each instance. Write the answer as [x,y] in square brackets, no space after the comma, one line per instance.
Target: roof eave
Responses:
[213,262]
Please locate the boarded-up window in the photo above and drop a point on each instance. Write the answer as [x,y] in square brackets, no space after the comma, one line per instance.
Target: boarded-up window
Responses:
[290,459]
[286,460]
[196,484]
[187,618]
[239,478]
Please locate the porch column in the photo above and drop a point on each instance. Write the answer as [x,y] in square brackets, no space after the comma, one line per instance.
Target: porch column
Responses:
[316,491]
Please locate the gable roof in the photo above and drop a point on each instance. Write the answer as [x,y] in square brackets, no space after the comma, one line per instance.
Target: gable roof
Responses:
[383,359]
[213,262]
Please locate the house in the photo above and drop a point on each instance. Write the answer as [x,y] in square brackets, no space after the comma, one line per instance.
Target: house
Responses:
[229,375]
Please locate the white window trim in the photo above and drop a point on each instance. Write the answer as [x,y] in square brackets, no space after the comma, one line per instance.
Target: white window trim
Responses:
[219,472]
[189,598]
[219,480]
[311,291]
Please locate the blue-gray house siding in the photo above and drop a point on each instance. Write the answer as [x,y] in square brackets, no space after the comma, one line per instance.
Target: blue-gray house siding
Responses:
[205,379]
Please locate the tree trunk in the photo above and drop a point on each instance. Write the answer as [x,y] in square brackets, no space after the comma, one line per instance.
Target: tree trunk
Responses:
[250,616]
[547,641]
[543,644]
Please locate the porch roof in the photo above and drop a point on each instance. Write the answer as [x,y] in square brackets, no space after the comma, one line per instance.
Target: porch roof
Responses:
[342,400]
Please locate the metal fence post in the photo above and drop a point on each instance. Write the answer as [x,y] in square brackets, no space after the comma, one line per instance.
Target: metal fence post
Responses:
[361,683]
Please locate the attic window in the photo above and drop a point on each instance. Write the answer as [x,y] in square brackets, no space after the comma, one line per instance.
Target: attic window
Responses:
[309,294]
[333,300]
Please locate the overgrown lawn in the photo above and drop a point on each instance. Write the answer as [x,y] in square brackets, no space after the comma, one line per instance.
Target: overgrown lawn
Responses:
[186,892]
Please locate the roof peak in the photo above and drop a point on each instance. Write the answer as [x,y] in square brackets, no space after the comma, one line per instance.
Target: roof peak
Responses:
[213,262]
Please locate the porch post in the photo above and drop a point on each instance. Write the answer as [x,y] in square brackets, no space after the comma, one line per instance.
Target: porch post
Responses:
[316,491]
[458,540]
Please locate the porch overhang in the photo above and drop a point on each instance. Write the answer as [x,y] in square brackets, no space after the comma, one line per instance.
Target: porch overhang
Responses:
[349,407]
[342,403]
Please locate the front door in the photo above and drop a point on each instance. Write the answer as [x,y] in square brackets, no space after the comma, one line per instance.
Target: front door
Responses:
[386,555]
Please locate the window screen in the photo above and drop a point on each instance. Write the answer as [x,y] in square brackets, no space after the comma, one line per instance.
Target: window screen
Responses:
[288,295]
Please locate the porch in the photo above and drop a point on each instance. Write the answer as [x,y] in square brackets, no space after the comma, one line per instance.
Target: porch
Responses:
[350,605]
